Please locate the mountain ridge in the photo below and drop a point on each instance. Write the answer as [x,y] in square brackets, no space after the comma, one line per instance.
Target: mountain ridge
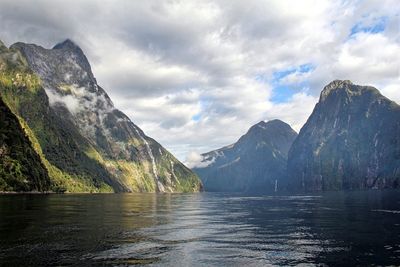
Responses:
[104,136]
[350,141]
[255,163]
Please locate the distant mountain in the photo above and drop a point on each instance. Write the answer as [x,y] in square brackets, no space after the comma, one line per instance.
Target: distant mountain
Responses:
[350,141]
[83,141]
[255,163]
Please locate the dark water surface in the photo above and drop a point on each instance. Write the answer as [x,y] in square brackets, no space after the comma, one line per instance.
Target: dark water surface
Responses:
[207,229]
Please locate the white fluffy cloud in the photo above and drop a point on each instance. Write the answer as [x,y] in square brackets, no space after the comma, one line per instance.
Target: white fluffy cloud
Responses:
[195,160]
[196,75]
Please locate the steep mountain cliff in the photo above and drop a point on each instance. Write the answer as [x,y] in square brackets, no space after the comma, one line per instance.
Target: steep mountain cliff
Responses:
[20,166]
[256,162]
[350,141]
[84,142]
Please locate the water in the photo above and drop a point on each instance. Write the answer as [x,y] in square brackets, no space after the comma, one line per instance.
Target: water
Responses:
[207,229]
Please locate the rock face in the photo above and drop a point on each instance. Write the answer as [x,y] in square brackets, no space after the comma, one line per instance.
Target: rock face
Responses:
[20,166]
[255,163]
[350,141]
[87,144]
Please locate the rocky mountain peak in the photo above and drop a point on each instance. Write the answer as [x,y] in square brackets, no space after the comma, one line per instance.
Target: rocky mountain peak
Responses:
[277,124]
[67,44]
[334,86]
[65,63]
[267,129]
[339,90]
[81,132]
[261,123]
[350,141]
[71,50]
[254,163]
[264,125]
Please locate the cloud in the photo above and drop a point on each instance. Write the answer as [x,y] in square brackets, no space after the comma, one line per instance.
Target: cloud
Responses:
[196,75]
[69,101]
[375,25]
[300,104]
[392,91]
[195,160]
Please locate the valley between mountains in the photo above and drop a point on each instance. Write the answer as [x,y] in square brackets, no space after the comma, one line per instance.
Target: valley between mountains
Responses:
[60,132]
[351,141]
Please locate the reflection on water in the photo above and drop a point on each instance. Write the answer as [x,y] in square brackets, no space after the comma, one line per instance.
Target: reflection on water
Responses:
[336,228]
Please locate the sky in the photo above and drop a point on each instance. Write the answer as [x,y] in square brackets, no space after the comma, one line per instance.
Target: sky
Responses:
[195,75]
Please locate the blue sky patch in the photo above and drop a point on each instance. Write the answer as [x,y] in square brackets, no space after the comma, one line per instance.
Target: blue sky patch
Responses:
[278,75]
[282,92]
[379,25]
[196,117]
[204,103]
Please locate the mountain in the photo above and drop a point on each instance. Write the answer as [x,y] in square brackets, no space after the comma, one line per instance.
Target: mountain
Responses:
[20,165]
[84,142]
[255,163]
[350,141]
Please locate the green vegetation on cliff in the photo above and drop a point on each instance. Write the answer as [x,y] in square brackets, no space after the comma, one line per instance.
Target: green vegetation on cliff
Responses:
[20,166]
[95,148]
[25,98]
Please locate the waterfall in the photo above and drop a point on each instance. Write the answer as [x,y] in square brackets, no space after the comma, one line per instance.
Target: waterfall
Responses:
[276,185]
[173,172]
[160,186]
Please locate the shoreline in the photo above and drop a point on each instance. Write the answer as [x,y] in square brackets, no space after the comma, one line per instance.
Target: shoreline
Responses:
[27,193]
[286,193]
[88,193]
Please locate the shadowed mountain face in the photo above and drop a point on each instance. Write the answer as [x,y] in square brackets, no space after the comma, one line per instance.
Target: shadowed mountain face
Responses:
[87,144]
[255,163]
[350,141]
[20,166]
